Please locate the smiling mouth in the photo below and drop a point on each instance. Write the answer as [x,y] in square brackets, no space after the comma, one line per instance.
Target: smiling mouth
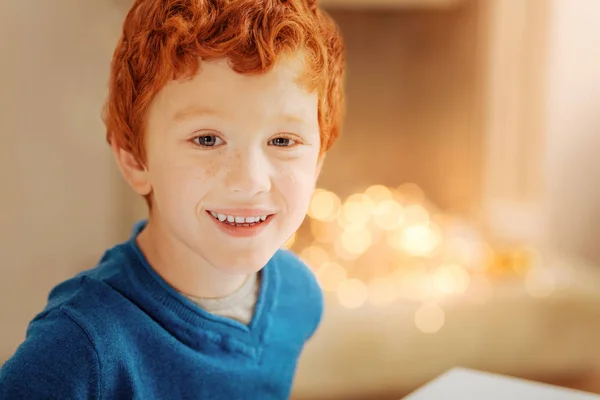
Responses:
[233,220]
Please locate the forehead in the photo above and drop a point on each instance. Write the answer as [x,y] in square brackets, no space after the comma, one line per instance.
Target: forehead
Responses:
[217,87]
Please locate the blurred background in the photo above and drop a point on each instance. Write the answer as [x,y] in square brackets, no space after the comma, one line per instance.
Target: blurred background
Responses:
[456,220]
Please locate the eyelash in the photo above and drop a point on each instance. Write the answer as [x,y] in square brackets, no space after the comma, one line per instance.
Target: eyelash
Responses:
[196,139]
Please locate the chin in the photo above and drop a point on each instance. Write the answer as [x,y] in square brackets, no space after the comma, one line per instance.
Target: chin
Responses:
[245,264]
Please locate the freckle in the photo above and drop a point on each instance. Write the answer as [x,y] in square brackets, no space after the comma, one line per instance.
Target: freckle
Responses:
[212,170]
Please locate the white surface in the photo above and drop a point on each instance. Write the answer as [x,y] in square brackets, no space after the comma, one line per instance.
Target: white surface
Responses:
[465,384]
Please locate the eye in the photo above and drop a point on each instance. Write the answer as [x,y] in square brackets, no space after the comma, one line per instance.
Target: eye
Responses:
[208,140]
[283,142]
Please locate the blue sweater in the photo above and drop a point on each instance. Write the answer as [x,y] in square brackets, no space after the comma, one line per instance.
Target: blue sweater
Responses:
[119,331]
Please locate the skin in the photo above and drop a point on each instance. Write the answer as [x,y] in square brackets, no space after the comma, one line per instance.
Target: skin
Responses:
[224,140]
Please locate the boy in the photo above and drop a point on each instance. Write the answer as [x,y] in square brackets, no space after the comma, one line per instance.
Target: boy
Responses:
[219,113]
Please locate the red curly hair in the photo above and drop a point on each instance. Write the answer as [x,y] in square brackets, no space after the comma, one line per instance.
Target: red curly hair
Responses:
[164,40]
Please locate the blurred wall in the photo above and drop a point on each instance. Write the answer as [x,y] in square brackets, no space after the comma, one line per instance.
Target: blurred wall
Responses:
[413,110]
[59,202]
[573,126]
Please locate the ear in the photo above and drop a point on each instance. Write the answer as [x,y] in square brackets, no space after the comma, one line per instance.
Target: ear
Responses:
[135,173]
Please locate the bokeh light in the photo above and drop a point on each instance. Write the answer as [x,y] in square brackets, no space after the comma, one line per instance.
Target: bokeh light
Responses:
[382,291]
[379,193]
[420,240]
[356,240]
[324,231]
[397,246]
[330,276]
[324,205]
[430,318]
[388,214]
[451,279]
[314,256]
[410,192]
[352,293]
[356,211]
[415,214]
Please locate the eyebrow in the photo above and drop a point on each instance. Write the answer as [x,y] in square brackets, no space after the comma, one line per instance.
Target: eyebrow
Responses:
[195,111]
[292,119]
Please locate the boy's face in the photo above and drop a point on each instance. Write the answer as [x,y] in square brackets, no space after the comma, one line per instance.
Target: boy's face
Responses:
[229,146]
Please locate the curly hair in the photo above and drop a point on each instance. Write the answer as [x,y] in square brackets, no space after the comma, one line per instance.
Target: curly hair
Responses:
[164,40]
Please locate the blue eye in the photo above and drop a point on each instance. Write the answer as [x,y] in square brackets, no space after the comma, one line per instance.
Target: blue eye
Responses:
[283,142]
[208,140]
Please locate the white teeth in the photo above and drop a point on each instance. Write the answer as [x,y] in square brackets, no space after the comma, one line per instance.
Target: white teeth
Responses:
[238,220]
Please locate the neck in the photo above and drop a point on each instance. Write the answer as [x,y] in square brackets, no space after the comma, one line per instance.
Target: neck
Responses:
[183,269]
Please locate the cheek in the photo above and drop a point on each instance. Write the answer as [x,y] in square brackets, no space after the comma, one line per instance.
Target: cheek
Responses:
[297,185]
[184,181]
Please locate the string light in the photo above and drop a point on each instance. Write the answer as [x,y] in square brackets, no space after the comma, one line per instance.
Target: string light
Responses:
[397,247]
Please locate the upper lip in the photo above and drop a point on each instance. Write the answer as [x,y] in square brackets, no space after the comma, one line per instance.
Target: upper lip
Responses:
[242,212]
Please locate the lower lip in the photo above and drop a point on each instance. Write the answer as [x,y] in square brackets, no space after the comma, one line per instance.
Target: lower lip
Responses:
[241,231]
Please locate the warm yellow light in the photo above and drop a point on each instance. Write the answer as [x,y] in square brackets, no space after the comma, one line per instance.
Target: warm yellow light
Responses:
[388,214]
[378,193]
[342,253]
[352,293]
[540,282]
[324,205]
[415,214]
[314,256]
[524,258]
[355,211]
[356,241]
[429,318]
[382,291]
[413,283]
[324,231]
[451,279]
[410,192]
[330,276]
[290,242]
[420,240]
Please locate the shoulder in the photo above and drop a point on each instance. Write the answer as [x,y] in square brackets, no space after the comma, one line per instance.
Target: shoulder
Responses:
[295,273]
[57,360]
[300,292]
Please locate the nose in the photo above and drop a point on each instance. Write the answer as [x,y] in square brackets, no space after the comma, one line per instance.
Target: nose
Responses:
[248,173]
